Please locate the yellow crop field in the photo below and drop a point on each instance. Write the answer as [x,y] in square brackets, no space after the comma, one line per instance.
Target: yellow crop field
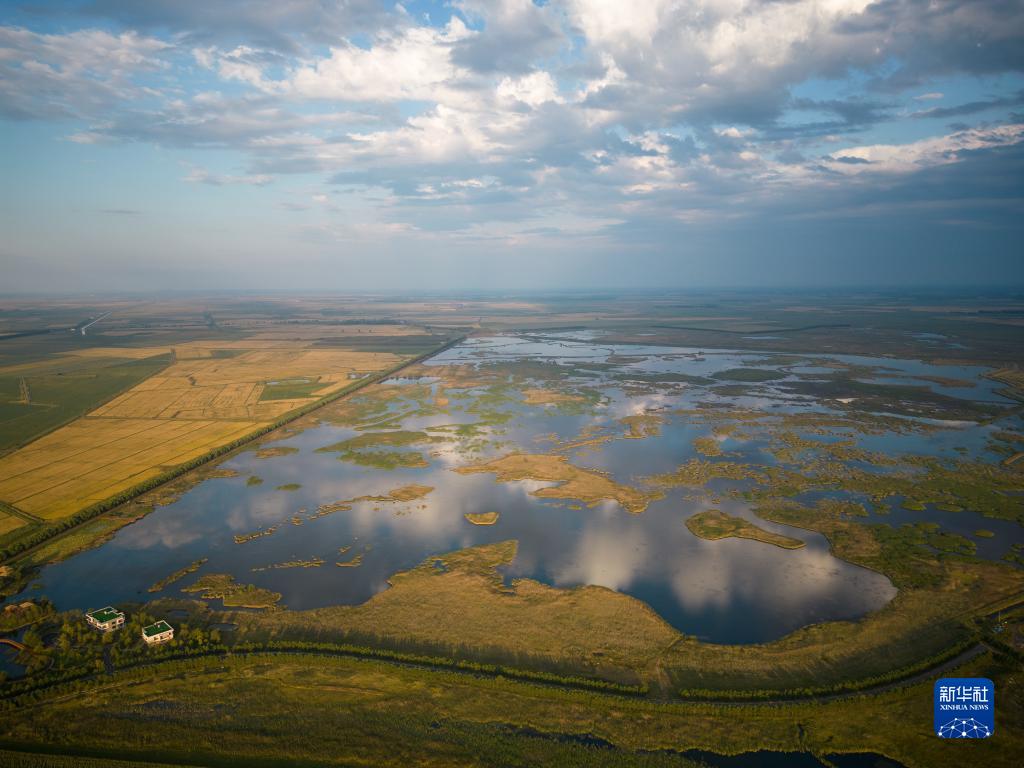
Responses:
[92,459]
[210,395]
[199,385]
[9,523]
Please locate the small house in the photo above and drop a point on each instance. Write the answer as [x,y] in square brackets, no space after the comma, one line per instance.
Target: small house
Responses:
[160,632]
[105,619]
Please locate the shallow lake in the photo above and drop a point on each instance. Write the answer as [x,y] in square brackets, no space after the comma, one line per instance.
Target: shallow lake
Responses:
[728,591]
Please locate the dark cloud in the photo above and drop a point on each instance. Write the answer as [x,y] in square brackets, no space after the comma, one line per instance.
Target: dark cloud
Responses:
[927,38]
[281,25]
[973,107]
[515,34]
[649,131]
[972,206]
[854,112]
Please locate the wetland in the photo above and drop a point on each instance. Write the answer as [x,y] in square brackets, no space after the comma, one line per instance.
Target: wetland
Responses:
[601,462]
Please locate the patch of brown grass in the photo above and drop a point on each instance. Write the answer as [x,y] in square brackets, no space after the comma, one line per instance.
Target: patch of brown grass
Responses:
[482,518]
[586,485]
[538,396]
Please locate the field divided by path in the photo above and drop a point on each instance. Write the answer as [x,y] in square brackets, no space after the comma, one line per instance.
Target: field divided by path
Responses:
[210,395]
[39,396]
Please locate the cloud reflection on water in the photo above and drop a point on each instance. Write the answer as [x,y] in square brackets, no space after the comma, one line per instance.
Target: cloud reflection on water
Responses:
[729,591]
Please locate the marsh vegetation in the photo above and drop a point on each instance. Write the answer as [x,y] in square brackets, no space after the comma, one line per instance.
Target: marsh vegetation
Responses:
[888,487]
[713,524]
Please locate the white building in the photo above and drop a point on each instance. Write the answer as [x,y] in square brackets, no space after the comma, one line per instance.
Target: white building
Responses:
[160,632]
[105,619]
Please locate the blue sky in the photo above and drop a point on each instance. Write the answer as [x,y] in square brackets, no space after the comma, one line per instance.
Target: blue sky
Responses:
[511,144]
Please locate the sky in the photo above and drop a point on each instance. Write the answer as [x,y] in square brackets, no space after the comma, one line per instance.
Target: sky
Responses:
[510,144]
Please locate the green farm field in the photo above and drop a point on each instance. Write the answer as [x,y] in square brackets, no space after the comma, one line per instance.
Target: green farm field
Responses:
[37,398]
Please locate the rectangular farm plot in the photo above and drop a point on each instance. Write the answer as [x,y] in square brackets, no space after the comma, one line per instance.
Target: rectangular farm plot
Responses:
[40,396]
[63,478]
[10,523]
[232,388]
[210,395]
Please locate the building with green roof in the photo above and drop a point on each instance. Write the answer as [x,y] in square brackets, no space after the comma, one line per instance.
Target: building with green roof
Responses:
[160,632]
[105,619]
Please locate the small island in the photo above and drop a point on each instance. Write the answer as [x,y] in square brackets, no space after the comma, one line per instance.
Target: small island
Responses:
[540,396]
[223,586]
[482,518]
[714,524]
[181,573]
[276,450]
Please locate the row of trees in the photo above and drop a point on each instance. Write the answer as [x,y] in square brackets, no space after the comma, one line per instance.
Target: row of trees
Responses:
[80,653]
[845,686]
[337,633]
[462,665]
